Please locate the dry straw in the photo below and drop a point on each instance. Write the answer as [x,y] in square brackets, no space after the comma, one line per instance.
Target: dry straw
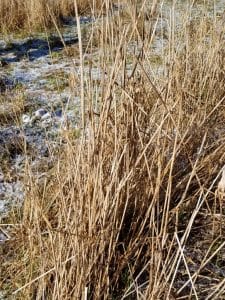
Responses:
[129,210]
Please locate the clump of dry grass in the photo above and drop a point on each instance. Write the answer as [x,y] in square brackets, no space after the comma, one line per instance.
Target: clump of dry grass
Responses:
[130,211]
[30,14]
[12,105]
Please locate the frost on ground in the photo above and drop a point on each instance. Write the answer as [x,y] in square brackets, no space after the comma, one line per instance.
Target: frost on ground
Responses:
[36,69]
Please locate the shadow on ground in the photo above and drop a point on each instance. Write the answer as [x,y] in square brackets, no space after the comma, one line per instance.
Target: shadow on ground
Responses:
[34,48]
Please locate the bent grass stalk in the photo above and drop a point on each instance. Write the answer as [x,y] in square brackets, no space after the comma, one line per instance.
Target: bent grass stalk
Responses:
[126,211]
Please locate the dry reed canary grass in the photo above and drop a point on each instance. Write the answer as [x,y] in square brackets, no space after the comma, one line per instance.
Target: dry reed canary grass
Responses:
[35,14]
[221,184]
[129,210]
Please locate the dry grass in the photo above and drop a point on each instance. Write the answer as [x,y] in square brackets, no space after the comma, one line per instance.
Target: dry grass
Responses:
[130,210]
[36,14]
[12,105]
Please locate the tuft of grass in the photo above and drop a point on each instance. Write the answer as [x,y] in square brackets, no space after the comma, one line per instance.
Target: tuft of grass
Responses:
[12,106]
[38,14]
[130,210]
